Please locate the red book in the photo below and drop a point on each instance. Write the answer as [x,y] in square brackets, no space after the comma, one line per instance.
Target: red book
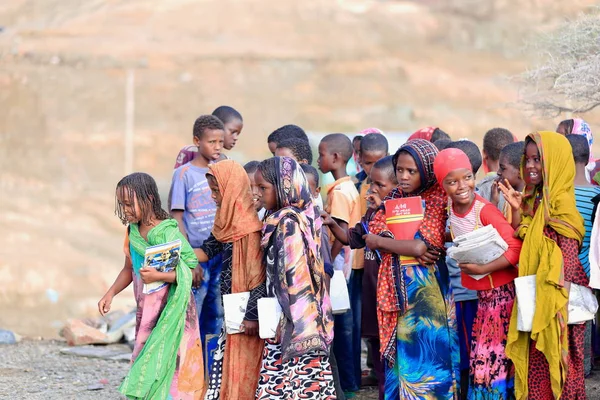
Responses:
[404,216]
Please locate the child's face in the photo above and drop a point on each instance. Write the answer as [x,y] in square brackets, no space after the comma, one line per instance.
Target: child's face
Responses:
[266,192]
[233,129]
[210,145]
[407,172]
[254,187]
[326,159]
[129,204]
[312,184]
[459,184]
[508,172]
[533,165]
[381,184]
[368,158]
[215,192]
[272,147]
[356,145]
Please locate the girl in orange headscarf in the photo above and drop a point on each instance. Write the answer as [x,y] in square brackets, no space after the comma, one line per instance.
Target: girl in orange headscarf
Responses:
[236,234]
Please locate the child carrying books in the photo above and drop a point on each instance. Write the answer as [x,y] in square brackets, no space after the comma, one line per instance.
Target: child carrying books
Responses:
[490,372]
[167,356]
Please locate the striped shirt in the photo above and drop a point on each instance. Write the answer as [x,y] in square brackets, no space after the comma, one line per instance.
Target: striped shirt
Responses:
[583,198]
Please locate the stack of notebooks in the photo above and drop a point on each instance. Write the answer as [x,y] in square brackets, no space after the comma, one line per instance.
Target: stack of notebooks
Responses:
[480,246]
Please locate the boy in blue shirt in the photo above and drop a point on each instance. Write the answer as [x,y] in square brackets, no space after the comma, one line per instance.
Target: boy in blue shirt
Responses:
[194,209]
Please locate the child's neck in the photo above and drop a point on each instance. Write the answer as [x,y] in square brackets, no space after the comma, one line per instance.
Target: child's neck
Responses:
[463,208]
[580,175]
[200,161]
[520,187]
[339,173]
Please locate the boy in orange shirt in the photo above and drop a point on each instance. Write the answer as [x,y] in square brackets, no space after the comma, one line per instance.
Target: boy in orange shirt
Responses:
[343,205]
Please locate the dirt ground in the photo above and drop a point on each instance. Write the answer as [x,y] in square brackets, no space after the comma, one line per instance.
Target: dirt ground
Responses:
[35,370]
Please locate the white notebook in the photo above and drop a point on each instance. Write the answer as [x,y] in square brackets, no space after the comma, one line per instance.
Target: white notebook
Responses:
[234,306]
[269,316]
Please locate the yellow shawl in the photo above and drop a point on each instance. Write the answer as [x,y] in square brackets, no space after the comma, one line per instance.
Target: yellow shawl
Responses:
[542,257]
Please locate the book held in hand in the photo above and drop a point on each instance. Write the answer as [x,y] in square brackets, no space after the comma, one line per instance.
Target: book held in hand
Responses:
[480,246]
[163,258]
[234,307]
[404,216]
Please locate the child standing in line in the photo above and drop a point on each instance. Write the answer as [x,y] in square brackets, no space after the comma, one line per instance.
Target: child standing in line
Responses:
[585,195]
[465,299]
[417,325]
[236,236]
[491,374]
[508,171]
[233,125]
[298,149]
[167,356]
[383,181]
[295,365]
[356,153]
[343,205]
[549,359]
[194,209]
[494,141]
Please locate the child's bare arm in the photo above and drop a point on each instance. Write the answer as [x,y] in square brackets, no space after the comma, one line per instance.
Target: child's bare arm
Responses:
[123,280]
[150,275]
[337,244]
[410,248]
[201,255]
[339,233]
[178,216]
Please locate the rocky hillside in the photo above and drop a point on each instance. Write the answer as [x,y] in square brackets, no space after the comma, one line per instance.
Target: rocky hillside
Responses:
[325,65]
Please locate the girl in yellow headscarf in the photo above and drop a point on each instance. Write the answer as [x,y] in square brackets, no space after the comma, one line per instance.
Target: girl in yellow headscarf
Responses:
[549,359]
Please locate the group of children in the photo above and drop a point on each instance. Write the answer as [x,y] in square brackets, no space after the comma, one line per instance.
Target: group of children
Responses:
[434,329]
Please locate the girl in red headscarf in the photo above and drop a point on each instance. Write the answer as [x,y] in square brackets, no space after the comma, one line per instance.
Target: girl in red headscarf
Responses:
[491,373]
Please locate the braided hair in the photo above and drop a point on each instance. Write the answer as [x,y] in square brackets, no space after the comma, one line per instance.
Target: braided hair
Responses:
[146,192]
[268,169]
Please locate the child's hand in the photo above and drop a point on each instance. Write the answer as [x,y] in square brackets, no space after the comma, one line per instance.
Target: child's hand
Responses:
[327,220]
[197,276]
[104,303]
[512,196]
[374,200]
[495,194]
[429,258]
[149,275]
[472,269]
[372,241]
[250,327]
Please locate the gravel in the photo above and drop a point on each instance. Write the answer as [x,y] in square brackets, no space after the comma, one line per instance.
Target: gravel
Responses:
[34,369]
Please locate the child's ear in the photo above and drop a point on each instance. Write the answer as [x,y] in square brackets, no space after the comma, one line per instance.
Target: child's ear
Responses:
[304,161]
[484,155]
[196,141]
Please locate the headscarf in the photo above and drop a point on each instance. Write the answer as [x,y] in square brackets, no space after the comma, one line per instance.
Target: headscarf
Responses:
[423,133]
[152,371]
[292,242]
[370,130]
[542,257]
[449,160]
[236,222]
[392,299]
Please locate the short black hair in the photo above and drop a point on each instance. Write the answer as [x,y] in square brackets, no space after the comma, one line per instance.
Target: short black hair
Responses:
[471,150]
[513,153]
[312,171]
[374,142]
[439,134]
[251,167]
[581,148]
[339,143]
[300,148]
[386,164]
[207,122]
[441,144]
[286,132]
[494,141]
[357,138]
[227,114]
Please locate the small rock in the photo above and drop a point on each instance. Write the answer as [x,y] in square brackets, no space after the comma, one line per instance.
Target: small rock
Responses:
[8,337]
[95,386]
